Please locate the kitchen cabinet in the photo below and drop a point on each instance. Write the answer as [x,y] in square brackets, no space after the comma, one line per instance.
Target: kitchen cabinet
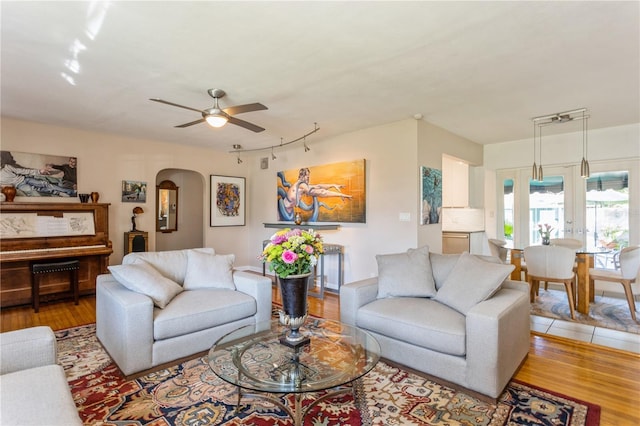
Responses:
[459,242]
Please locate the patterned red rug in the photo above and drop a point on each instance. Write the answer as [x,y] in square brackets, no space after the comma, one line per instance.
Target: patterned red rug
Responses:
[190,394]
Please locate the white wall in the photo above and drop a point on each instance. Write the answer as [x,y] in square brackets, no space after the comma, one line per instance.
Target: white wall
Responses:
[433,143]
[105,160]
[393,153]
[391,187]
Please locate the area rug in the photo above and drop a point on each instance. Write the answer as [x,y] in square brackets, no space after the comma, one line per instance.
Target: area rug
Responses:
[190,394]
[606,312]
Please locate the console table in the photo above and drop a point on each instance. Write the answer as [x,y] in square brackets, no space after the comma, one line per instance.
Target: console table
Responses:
[329,249]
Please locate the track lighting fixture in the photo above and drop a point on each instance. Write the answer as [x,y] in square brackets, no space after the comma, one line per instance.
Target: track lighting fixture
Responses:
[237,148]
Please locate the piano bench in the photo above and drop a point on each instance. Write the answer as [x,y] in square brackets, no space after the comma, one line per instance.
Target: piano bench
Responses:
[37,269]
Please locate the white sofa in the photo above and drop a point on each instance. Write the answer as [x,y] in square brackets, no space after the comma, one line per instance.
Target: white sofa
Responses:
[33,388]
[455,317]
[158,307]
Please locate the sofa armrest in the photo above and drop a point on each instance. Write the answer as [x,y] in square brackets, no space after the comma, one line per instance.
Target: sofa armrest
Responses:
[124,324]
[497,340]
[516,285]
[259,288]
[354,295]
[27,348]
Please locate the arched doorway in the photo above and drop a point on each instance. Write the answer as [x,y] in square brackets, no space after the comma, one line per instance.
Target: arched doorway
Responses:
[190,218]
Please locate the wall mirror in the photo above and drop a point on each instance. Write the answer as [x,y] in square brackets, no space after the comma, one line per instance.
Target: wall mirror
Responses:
[167,206]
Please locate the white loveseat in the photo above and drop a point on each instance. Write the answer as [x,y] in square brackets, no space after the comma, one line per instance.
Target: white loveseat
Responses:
[450,316]
[158,307]
[33,387]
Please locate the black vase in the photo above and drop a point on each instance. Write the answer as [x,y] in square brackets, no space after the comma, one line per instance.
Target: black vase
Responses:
[546,241]
[293,290]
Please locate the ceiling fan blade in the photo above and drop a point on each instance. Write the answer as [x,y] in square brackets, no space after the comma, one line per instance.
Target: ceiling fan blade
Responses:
[191,123]
[245,124]
[239,109]
[173,104]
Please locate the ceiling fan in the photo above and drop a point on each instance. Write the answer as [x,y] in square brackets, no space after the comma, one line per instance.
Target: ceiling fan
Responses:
[217,117]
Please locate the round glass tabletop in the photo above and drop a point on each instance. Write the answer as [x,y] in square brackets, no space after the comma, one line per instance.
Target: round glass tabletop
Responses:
[253,358]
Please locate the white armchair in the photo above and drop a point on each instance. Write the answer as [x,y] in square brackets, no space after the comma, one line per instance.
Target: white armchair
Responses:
[186,305]
[33,388]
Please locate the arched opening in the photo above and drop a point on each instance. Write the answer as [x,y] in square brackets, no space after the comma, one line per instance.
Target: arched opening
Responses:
[190,202]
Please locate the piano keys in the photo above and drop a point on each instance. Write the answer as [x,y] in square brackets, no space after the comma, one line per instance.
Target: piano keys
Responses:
[92,249]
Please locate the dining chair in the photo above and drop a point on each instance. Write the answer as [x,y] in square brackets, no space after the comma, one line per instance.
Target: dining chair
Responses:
[571,243]
[566,242]
[552,264]
[629,267]
[498,249]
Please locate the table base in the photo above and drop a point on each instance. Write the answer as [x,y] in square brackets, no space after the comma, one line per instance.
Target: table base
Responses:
[297,413]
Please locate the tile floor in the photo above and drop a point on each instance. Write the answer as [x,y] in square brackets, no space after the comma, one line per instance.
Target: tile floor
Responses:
[588,333]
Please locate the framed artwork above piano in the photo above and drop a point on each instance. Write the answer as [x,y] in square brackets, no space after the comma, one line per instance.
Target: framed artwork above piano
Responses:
[62,231]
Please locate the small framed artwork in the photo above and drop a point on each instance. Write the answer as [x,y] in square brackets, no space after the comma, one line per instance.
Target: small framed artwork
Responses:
[227,201]
[134,191]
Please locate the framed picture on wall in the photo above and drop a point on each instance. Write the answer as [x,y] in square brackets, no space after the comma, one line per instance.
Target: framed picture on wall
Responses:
[40,175]
[134,191]
[430,195]
[227,201]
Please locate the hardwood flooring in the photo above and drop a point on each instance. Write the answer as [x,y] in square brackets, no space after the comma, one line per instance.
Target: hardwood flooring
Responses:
[603,376]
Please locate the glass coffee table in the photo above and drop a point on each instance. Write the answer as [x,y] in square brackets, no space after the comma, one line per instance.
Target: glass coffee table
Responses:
[253,359]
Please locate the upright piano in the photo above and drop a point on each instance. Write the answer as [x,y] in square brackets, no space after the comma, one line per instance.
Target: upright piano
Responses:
[49,232]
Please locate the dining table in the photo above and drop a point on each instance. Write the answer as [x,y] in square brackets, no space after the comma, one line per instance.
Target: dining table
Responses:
[584,261]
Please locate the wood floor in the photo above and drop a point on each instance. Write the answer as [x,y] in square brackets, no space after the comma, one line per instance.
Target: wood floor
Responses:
[603,376]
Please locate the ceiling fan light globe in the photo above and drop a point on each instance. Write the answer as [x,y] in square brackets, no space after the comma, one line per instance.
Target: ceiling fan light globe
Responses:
[216,120]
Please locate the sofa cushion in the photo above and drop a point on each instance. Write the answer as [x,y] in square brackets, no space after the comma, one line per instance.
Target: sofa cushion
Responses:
[196,310]
[405,274]
[38,396]
[442,265]
[418,321]
[471,281]
[144,278]
[171,263]
[205,270]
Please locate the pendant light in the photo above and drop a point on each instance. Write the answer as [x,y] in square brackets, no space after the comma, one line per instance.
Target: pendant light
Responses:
[584,165]
[534,170]
[540,174]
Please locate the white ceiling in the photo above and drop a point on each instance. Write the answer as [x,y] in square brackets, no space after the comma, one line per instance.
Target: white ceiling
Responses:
[481,70]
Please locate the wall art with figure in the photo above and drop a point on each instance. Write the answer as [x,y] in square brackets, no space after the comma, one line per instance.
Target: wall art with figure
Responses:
[39,175]
[431,195]
[328,193]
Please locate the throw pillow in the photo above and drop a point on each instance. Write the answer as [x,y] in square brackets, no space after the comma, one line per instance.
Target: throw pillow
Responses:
[143,278]
[405,274]
[442,265]
[209,271]
[471,281]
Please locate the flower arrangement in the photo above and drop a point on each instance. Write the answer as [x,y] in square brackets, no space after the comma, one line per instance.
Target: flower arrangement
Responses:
[292,251]
[546,232]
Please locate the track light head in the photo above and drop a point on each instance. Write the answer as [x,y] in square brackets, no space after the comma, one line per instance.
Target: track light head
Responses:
[306,148]
[239,160]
